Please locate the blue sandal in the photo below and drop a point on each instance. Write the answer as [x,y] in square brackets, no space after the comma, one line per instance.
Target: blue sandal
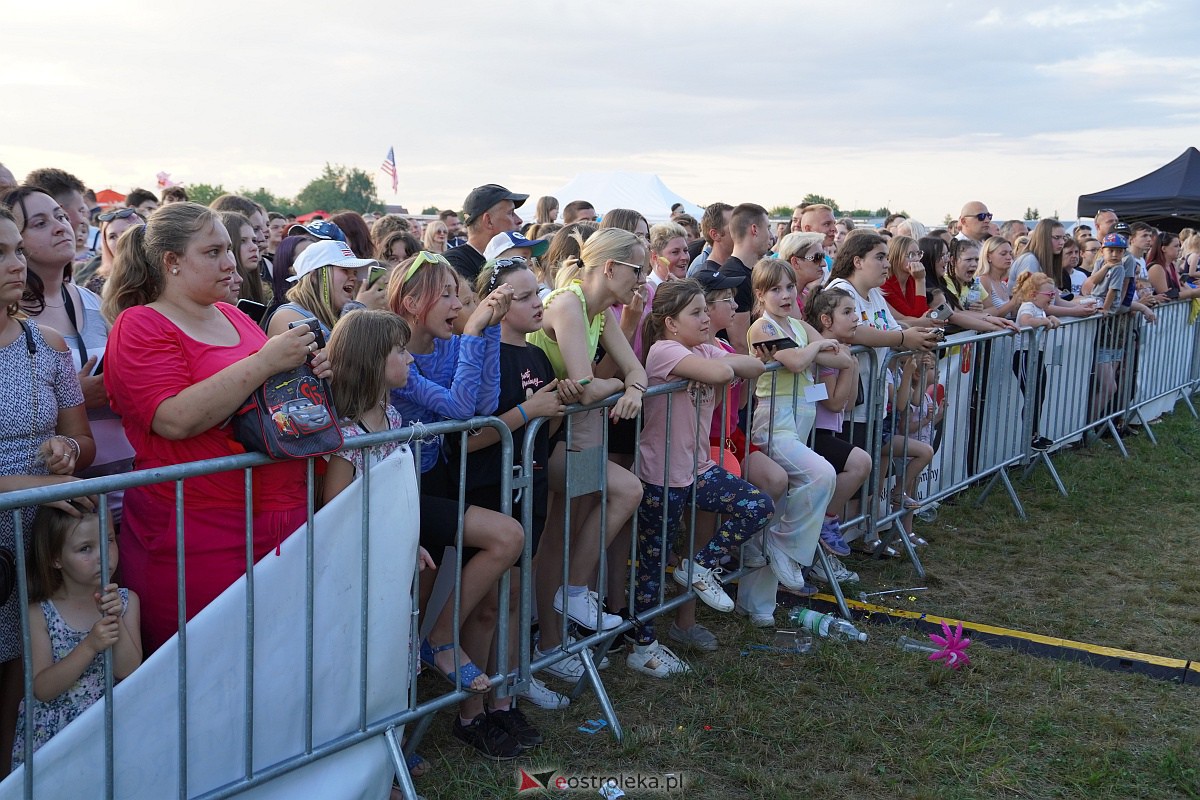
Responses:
[468,669]
[417,766]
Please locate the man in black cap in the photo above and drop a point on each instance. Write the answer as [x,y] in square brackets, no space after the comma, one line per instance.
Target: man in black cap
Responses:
[488,210]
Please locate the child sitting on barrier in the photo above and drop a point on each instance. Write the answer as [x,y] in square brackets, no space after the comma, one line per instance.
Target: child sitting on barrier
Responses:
[1035,291]
[675,464]
[577,319]
[455,377]
[726,437]
[528,391]
[74,616]
[900,446]
[781,424]
[832,312]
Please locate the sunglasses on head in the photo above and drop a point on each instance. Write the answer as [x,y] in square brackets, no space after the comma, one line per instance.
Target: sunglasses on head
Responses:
[504,263]
[120,213]
[424,257]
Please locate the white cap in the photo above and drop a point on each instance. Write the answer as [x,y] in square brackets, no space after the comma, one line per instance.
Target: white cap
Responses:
[331,253]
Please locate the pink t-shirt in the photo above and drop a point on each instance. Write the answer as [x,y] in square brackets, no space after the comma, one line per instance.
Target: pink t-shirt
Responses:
[687,440]
[149,360]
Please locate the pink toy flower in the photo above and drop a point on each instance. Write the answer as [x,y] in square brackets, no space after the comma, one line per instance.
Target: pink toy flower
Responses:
[954,647]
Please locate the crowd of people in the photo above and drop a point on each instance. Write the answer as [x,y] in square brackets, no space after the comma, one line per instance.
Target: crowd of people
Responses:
[132,334]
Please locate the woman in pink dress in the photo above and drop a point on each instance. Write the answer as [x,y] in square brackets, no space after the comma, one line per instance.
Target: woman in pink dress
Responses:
[179,363]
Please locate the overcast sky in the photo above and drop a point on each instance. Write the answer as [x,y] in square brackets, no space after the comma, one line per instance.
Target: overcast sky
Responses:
[914,105]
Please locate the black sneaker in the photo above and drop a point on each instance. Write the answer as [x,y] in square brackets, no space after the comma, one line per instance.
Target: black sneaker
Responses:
[491,740]
[513,722]
[1041,443]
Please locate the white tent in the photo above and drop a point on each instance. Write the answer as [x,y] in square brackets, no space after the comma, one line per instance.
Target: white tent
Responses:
[641,191]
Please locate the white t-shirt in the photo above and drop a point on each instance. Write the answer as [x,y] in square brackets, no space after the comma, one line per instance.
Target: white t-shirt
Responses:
[873,312]
[1029,309]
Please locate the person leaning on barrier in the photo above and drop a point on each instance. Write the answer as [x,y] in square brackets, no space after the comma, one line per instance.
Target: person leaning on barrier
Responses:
[457,377]
[1045,255]
[179,363]
[676,464]
[578,317]
[1164,277]
[74,312]
[941,257]
[45,430]
[995,263]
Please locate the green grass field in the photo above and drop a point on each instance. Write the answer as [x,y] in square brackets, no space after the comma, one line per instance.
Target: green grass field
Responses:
[1113,564]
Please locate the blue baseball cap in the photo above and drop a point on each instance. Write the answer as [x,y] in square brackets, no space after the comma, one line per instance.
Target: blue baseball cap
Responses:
[506,241]
[321,229]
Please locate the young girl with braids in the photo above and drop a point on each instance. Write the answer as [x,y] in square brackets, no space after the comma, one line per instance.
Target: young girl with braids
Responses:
[675,463]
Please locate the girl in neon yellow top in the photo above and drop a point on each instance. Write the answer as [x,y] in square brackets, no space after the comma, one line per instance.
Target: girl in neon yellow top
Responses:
[577,316]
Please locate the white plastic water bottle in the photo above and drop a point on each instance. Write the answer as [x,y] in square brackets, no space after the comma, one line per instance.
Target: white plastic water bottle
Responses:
[827,625]
[974,292]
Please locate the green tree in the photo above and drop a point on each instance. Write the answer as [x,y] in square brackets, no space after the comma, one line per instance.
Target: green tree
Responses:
[881,212]
[338,188]
[1032,213]
[204,193]
[781,211]
[430,210]
[271,202]
[817,199]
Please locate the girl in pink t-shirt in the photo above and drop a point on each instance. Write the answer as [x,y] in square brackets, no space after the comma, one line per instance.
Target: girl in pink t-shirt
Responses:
[675,464]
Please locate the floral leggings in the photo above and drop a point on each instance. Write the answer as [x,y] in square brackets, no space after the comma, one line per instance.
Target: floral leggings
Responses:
[743,508]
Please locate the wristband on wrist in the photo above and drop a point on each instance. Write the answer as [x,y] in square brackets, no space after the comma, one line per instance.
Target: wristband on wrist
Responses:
[524,416]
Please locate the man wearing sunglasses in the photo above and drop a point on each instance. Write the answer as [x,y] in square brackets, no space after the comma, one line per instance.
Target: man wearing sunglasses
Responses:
[973,221]
[488,210]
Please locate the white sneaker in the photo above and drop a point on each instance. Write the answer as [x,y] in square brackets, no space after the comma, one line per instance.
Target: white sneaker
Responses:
[752,554]
[789,573]
[840,573]
[584,609]
[706,583]
[543,696]
[656,661]
[570,669]
[601,663]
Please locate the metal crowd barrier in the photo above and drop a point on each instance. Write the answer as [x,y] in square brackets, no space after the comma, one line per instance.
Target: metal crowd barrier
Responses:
[254,773]
[987,428]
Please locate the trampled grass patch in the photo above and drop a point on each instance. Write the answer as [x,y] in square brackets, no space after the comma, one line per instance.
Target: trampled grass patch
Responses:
[1113,564]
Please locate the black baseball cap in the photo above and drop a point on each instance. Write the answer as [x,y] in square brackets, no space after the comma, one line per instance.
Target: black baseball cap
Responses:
[715,281]
[484,197]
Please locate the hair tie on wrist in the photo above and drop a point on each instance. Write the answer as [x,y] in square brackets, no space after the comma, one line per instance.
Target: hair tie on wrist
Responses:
[524,416]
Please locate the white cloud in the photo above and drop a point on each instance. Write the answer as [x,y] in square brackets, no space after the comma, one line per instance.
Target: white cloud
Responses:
[1057,16]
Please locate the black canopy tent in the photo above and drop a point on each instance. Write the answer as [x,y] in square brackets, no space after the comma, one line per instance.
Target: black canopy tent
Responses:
[1168,197]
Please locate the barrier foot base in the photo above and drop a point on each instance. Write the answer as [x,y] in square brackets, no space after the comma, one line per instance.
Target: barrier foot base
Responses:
[1116,435]
[901,531]
[606,707]
[403,778]
[834,586]
[1044,458]
[1002,476]
[1188,401]
[1146,428]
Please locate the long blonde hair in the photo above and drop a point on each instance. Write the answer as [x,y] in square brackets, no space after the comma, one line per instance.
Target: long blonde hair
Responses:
[603,245]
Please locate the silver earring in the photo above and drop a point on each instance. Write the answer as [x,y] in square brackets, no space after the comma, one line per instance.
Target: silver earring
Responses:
[175,271]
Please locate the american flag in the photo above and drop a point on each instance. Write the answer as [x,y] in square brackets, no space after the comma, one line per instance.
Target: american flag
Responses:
[389,168]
